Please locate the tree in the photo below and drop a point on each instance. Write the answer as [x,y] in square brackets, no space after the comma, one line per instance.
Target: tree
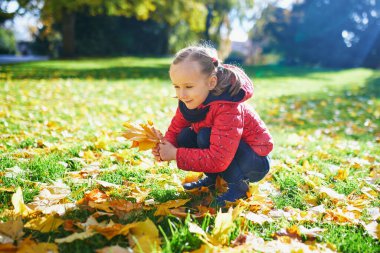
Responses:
[339,33]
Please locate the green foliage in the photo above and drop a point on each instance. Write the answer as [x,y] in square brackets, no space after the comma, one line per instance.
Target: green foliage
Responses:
[291,194]
[7,42]
[350,238]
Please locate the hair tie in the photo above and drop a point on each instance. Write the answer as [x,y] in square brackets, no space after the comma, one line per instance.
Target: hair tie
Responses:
[215,61]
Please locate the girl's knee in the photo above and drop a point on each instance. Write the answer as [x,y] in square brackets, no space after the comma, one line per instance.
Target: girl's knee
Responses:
[203,137]
[186,137]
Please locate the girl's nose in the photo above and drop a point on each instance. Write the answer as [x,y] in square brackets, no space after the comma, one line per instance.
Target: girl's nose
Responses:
[181,94]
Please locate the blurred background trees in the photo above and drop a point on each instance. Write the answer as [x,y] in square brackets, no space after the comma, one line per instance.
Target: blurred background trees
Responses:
[325,33]
[328,33]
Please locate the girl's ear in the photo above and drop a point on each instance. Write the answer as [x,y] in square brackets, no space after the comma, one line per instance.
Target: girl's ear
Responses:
[212,82]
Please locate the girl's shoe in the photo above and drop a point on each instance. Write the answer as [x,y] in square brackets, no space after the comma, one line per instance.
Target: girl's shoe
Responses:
[234,193]
[204,182]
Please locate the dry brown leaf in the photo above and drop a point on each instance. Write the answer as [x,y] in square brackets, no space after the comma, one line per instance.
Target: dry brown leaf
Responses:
[8,248]
[12,229]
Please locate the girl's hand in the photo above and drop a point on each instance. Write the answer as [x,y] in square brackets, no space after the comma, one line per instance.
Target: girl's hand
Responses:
[156,153]
[167,151]
[156,149]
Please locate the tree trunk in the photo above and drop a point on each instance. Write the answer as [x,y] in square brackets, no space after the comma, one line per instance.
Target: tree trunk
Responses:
[208,22]
[68,34]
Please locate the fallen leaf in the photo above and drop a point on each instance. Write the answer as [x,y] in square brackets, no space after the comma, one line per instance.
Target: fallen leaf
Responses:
[44,224]
[12,228]
[76,236]
[29,246]
[144,237]
[373,229]
[257,218]
[18,203]
[192,177]
[114,249]
[331,193]
[163,209]
[224,224]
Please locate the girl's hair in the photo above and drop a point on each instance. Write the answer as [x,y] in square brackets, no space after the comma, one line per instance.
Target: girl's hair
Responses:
[207,58]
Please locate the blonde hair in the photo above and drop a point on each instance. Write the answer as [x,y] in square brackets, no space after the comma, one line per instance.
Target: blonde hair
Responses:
[207,58]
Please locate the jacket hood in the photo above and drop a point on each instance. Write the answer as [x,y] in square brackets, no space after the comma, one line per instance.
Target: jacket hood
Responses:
[244,94]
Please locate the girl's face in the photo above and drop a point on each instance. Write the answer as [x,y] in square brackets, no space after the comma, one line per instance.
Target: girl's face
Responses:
[191,85]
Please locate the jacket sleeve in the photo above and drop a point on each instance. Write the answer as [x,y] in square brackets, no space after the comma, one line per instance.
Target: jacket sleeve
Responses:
[225,137]
[177,124]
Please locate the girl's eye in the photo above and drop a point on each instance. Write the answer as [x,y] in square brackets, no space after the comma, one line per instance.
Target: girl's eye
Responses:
[188,87]
[176,87]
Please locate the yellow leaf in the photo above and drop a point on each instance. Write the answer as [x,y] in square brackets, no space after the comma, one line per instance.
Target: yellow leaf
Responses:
[192,177]
[144,237]
[224,224]
[163,209]
[29,246]
[205,248]
[142,136]
[18,203]
[342,174]
[45,224]
[12,228]
[145,244]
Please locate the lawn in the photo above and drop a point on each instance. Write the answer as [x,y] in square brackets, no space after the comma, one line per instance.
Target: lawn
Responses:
[70,183]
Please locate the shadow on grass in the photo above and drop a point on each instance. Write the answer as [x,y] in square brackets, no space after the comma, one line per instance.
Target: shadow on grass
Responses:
[348,113]
[278,71]
[372,86]
[21,71]
[129,70]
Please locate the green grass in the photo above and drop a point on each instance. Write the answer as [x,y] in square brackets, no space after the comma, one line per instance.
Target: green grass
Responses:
[59,117]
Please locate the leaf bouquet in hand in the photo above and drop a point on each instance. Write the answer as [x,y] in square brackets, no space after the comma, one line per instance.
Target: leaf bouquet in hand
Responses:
[143,136]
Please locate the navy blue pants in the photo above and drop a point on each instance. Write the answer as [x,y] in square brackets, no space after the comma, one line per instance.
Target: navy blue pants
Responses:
[246,166]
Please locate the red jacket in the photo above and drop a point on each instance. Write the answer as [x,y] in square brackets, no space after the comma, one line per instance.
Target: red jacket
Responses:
[230,122]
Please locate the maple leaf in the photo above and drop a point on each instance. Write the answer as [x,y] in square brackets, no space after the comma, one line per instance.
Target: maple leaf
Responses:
[143,136]
[163,209]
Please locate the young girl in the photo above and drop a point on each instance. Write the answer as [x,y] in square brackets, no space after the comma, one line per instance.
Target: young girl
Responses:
[213,131]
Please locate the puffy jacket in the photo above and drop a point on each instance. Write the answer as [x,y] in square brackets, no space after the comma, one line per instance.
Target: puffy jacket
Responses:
[230,122]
